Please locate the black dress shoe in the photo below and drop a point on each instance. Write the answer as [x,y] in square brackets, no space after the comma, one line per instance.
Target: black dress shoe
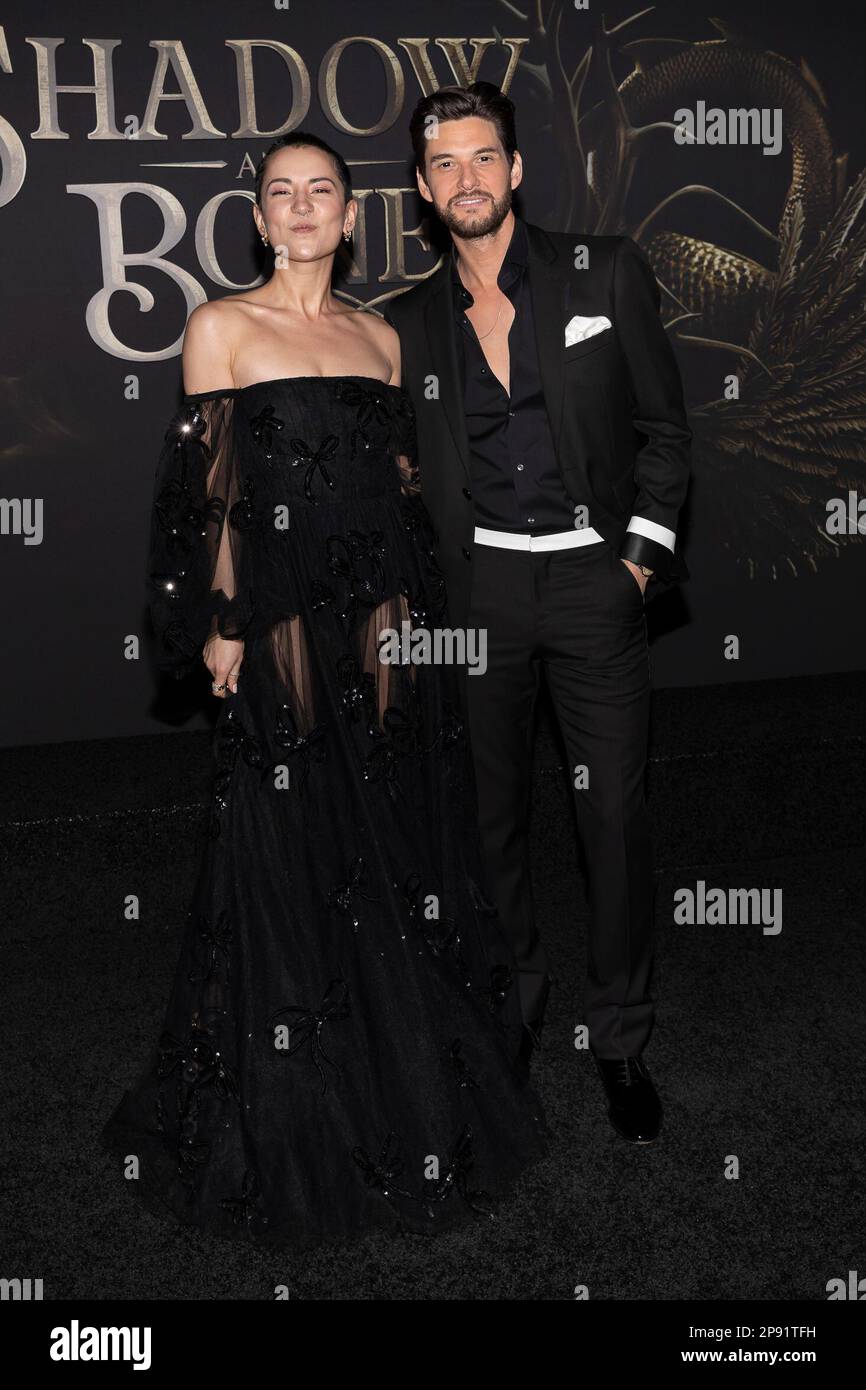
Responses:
[635,1109]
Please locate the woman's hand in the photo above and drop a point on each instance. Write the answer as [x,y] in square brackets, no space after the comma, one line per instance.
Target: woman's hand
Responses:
[223,659]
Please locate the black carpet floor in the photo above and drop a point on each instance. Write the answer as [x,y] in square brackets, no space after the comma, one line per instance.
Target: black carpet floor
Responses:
[757,1050]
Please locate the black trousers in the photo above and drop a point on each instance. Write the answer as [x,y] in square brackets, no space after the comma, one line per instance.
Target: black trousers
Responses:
[577,614]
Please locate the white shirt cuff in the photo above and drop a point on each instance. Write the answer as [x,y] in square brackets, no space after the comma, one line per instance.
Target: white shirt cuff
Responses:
[653,531]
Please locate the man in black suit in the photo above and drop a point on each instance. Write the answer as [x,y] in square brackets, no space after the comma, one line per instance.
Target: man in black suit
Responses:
[553,452]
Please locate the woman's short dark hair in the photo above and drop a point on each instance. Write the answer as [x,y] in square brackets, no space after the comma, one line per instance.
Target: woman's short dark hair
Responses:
[303,138]
[454,104]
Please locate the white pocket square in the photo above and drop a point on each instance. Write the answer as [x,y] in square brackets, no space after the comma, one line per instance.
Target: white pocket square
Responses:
[579,327]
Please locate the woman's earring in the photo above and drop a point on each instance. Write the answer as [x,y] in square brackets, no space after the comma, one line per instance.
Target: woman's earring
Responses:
[265,238]
[347,235]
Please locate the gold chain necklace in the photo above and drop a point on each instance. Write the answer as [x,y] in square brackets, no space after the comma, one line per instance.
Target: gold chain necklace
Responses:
[482,336]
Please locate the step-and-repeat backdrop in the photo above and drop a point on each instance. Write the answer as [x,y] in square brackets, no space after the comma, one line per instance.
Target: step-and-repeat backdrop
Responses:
[731,148]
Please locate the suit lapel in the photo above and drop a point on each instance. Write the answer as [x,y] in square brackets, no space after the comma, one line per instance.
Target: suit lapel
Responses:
[440,328]
[549,290]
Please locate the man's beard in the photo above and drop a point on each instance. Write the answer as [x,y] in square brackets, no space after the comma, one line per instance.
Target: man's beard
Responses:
[487,218]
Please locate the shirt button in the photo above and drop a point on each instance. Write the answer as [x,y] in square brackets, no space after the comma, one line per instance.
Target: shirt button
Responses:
[466,555]
[467,493]
[511,412]
[531,520]
[483,371]
[520,468]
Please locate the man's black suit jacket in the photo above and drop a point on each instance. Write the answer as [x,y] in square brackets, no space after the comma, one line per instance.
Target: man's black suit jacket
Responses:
[615,403]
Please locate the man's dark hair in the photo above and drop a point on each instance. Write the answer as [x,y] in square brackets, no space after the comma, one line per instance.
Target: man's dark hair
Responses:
[454,104]
[303,138]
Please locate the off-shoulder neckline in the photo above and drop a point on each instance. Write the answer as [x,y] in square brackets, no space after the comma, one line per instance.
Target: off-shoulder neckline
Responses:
[274,381]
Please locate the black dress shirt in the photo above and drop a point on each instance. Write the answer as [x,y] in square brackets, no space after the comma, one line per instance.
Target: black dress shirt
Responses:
[516,482]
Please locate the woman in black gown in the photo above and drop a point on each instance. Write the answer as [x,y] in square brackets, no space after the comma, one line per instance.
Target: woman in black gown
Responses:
[339,1051]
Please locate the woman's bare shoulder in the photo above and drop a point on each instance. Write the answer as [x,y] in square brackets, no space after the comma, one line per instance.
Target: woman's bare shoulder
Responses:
[383,337]
[208,347]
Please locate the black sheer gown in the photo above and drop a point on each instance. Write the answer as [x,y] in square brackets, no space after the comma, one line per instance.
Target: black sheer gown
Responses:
[339,1049]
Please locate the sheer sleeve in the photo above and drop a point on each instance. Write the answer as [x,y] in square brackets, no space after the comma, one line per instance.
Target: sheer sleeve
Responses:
[406,446]
[199,561]
[405,453]
[427,608]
